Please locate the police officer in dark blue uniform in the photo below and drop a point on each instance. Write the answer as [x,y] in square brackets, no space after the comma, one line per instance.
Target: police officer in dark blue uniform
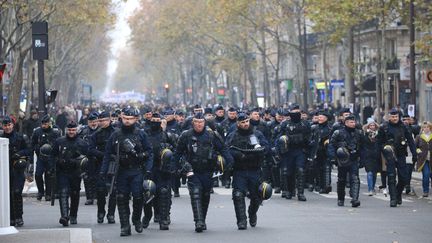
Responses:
[248,147]
[293,140]
[392,139]
[228,125]
[163,144]
[97,145]
[135,159]
[320,170]
[344,151]
[44,135]
[18,156]
[199,147]
[69,153]
[89,178]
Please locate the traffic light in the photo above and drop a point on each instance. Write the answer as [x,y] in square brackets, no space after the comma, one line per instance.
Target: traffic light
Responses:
[51,95]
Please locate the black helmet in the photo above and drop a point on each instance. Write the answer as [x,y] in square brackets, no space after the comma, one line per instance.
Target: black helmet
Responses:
[283,143]
[45,151]
[166,156]
[343,156]
[265,191]
[20,163]
[149,190]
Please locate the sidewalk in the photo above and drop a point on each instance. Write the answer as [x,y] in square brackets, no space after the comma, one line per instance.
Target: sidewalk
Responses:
[81,235]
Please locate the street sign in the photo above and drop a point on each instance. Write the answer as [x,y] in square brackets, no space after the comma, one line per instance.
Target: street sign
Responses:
[40,40]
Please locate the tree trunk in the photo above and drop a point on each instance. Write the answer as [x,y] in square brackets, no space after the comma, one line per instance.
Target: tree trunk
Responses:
[384,68]
[17,81]
[277,81]
[349,89]
[267,92]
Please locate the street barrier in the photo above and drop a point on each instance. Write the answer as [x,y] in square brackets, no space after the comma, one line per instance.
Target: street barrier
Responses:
[5,227]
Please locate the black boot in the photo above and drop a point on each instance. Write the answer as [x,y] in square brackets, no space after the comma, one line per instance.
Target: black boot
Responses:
[284,182]
[148,213]
[48,190]
[300,185]
[18,206]
[101,201]
[355,190]
[341,193]
[392,190]
[205,204]
[111,209]
[87,188]
[64,207]
[326,189]
[164,207]
[195,194]
[276,179]
[137,205]
[40,186]
[252,211]
[124,213]
[290,187]
[240,209]
[75,197]
[399,189]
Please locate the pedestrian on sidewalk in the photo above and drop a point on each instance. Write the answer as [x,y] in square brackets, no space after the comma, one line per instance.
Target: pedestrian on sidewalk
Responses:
[423,143]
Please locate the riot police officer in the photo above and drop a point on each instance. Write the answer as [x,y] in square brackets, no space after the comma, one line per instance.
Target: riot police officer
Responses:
[134,157]
[273,163]
[69,153]
[392,139]
[293,139]
[320,169]
[228,125]
[220,114]
[248,147]
[44,135]
[163,144]
[18,155]
[96,149]
[199,147]
[89,178]
[344,150]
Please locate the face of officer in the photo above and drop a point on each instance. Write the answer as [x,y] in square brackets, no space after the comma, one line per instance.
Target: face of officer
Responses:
[244,125]
[148,115]
[350,123]
[8,128]
[209,117]
[198,110]
[279,118]
[180,118]
[322,119]
[232,115]
[220,113]
[104,122]
[394,118]
[128,120]
[93,124]
[198,124]
[315,119]
[45,125]
[344,115]
[255,116]
[71,132]
[304,116]
[114,118]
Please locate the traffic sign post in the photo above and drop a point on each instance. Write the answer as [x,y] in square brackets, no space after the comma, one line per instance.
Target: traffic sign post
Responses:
[40,53]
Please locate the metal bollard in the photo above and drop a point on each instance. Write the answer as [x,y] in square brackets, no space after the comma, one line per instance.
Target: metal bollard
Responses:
[5,228]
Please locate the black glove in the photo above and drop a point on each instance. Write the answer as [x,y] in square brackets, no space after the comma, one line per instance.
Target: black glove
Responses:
[15,156]
[414,159]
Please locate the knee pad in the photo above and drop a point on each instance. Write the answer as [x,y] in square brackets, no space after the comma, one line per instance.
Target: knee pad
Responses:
[237,194]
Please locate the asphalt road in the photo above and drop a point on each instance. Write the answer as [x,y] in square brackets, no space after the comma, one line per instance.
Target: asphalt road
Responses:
[279,220]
